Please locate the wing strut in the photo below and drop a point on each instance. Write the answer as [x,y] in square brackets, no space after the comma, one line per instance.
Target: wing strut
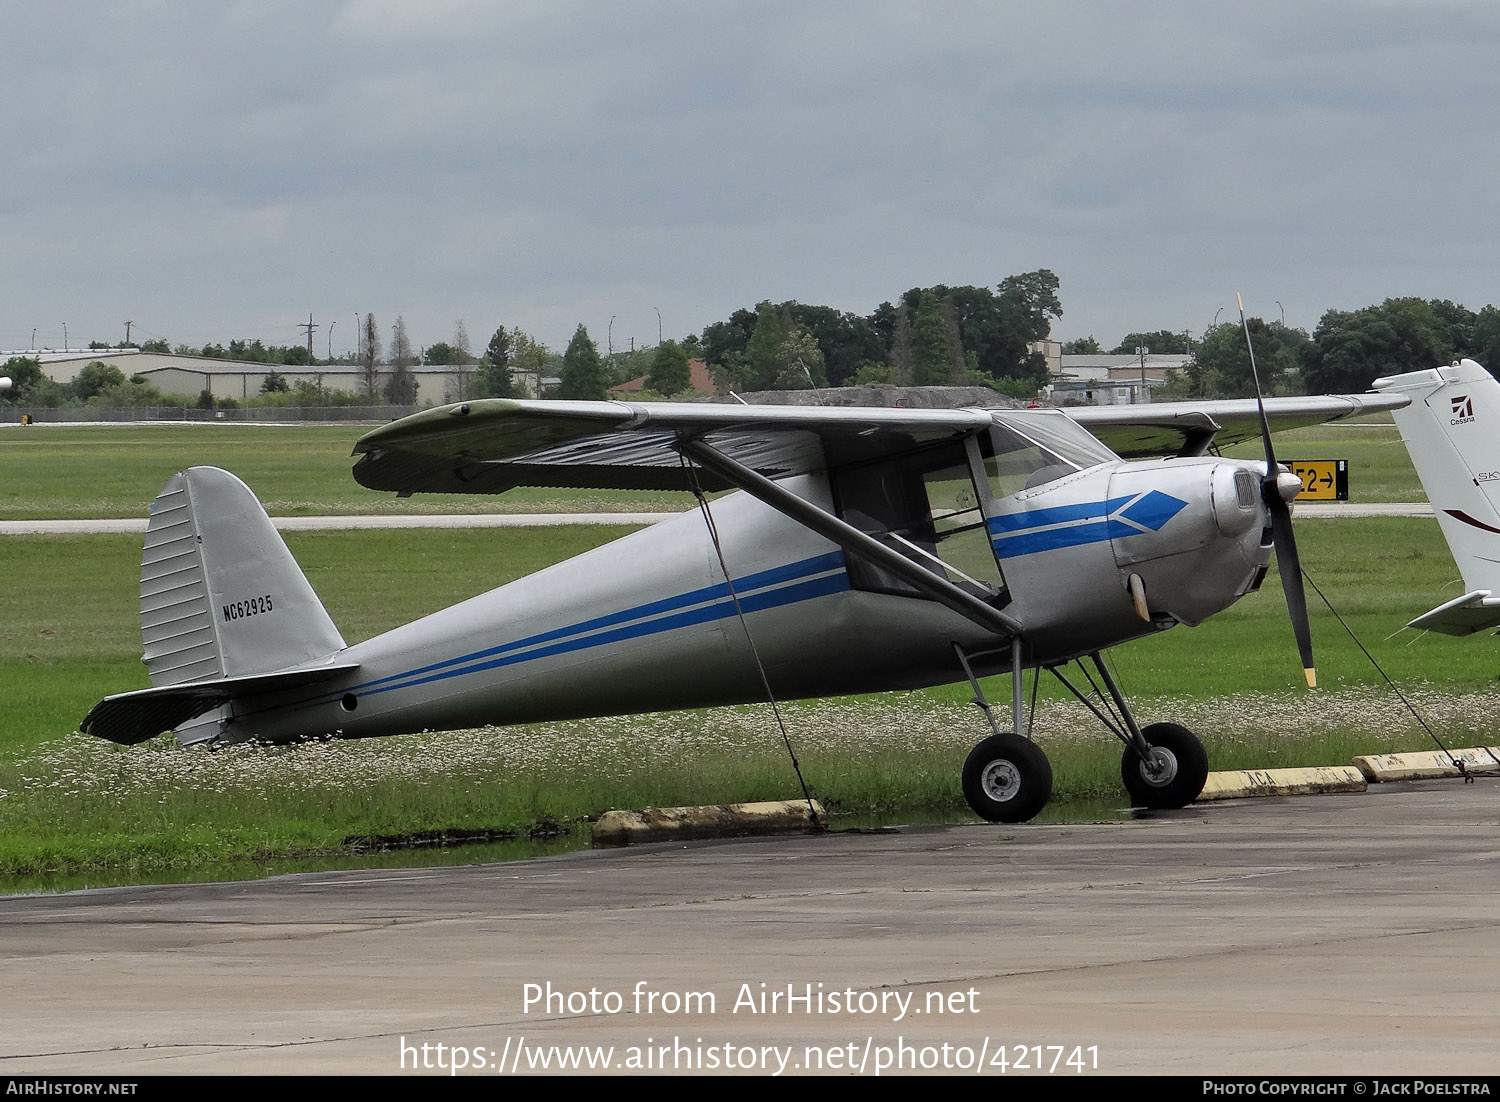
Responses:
[851,539]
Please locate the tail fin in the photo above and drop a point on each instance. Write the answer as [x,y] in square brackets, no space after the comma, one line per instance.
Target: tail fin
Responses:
[225,610]
[221,596]
[1452,430]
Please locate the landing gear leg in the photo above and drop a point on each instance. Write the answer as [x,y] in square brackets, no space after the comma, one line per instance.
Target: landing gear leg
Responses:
[1006,778]
[1164,765]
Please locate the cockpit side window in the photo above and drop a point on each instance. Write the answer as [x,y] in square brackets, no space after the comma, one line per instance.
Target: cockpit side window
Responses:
[925,505]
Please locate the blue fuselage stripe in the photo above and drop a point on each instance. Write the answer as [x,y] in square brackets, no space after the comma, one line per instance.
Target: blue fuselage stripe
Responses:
[747,588]
[1057,514]
[1074,535]
[802,591]
[1026,533]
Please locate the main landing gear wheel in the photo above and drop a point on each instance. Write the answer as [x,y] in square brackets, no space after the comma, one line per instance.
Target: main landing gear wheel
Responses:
[1176,772]
[1007,779]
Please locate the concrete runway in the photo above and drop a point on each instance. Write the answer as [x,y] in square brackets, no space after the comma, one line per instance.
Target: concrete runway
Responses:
[1351,934]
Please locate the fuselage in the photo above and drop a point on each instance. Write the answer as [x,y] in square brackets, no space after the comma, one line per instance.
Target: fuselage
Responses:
[649,623]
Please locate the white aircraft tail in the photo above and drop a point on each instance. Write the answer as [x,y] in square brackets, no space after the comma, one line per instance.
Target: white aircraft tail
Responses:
[1452,431]
[221,596]
[225,611]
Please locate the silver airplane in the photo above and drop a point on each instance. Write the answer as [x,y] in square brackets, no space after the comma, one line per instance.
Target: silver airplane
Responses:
[1450,431]
[868,549]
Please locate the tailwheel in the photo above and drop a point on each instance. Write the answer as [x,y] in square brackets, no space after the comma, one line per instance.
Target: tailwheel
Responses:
[1007,779]
[1175,773]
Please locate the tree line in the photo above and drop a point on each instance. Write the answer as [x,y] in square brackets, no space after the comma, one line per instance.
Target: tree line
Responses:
[928,336]
[1344,354]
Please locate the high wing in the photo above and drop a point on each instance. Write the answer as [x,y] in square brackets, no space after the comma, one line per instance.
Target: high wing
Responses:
[494,444]
[1188,428]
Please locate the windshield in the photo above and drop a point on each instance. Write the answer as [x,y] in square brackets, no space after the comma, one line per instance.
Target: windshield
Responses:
[1036,446]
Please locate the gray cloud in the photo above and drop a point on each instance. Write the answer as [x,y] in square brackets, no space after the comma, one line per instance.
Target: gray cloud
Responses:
[215,171]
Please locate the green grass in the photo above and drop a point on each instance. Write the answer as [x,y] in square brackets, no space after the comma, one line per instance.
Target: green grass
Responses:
[70,635]
[70,619]
[81,804]
[94,471]
[69,628]
[1379,468]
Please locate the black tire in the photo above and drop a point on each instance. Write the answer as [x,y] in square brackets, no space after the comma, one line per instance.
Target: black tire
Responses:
[1007,779]
[1183,768]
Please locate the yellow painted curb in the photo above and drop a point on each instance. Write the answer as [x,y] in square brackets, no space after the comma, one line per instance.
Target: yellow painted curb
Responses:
[1426,763]
[1238,784]
[670,824]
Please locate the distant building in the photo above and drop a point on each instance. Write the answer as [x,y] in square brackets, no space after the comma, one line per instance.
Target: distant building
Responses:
[189,376]
[700,382]
[1113,380]
[1051,352]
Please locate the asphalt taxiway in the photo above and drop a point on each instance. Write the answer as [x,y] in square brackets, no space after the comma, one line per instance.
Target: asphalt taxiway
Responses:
[1345,934]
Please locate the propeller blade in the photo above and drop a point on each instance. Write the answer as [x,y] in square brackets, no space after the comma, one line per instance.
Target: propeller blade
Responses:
[1289,565]
[1288,562]
[1260,402]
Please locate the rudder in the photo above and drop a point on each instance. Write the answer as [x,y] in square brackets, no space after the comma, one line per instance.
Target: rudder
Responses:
[1452,431]
[221,596]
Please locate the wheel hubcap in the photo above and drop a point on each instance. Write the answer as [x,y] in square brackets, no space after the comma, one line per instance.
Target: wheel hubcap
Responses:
[1001,780]
[1160,769]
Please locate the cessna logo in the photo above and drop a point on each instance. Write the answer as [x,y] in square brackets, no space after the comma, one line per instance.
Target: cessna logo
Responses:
[1463,409]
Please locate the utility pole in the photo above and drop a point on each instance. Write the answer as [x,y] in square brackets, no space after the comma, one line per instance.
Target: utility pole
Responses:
[128,324]
[310,326]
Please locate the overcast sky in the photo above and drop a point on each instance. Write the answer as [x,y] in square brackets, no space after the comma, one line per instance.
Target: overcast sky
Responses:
[220,170]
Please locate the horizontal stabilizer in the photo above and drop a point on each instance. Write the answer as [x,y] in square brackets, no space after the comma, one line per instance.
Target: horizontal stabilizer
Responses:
[129,718]
[1464,615]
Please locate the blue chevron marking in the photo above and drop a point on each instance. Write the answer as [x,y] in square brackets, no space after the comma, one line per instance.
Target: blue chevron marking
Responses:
[1030,532]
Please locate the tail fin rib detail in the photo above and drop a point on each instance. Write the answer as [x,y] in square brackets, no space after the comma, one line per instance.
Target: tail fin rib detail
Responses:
[226,612]
[1452,431]
[221,596]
